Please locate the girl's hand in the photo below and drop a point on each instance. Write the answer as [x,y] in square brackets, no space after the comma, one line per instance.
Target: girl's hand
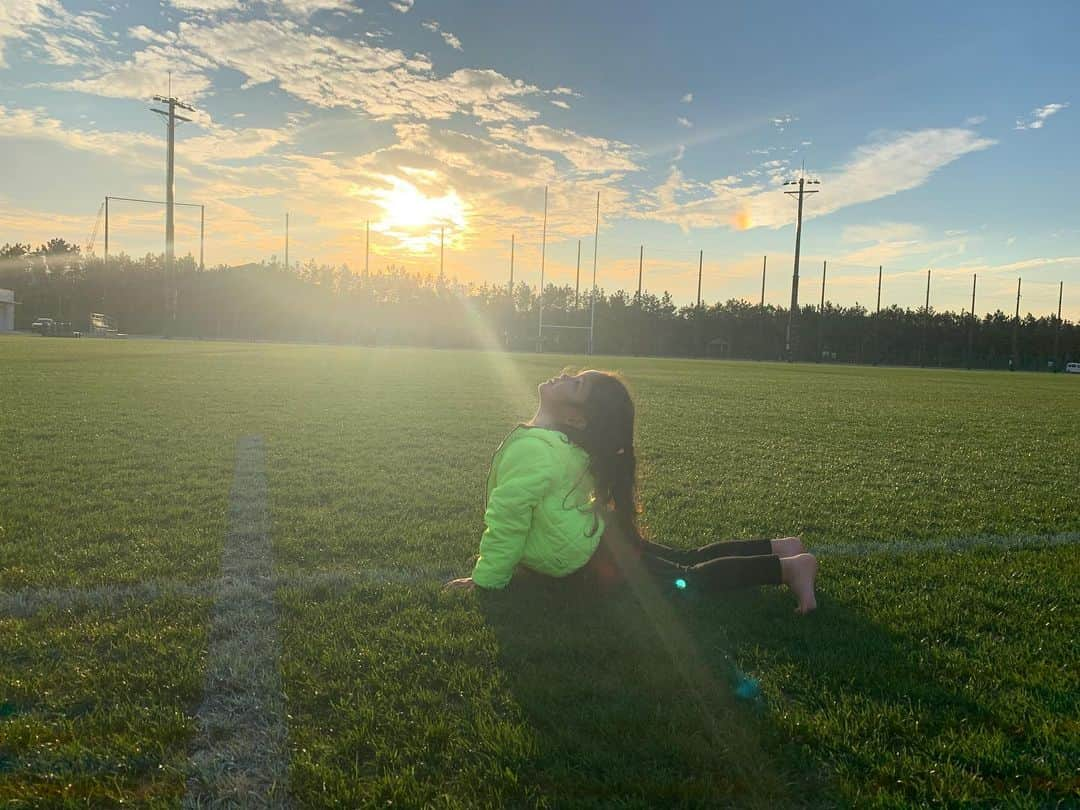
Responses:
[463,584]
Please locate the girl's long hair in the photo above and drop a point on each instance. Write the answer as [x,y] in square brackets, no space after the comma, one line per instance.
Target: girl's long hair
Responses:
[608,438]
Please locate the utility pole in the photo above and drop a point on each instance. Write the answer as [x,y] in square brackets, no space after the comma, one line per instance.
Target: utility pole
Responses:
[286,240]
[926,320]
[764,261]
[202,236]
[171,117]
[640,268]
[821,312]
[700,260]
[577,276]
[442,245]
[971,322]
[367,247]
[1016,330]
[1057,331]
[877,319]
[790,336]
[596,243]
[511,290]
[106,264]
[543,254]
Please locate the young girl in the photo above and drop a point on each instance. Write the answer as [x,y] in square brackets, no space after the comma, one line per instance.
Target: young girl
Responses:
[562,501]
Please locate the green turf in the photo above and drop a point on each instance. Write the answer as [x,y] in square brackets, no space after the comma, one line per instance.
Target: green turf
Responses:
[931,677]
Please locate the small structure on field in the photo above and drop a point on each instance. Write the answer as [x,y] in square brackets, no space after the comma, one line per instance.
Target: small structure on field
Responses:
[7,310]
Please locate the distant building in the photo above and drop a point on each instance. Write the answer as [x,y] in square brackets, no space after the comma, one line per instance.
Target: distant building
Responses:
[7,310]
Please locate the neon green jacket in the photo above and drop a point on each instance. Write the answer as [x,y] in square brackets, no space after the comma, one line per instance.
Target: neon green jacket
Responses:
[535,515]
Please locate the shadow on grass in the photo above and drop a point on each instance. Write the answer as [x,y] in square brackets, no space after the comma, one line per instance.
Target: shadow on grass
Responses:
[639,699]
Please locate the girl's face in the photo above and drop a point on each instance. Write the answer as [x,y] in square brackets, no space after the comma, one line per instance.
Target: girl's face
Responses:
[566,394]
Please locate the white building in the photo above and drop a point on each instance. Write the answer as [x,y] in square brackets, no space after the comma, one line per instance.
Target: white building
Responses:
[7,310]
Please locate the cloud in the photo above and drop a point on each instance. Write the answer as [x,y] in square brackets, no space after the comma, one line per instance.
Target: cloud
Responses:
[560,103]
[448,38]
[975,120]
[689,97]
[586,153]
[880,169]
[321,70]
[1010,241]
[882,232]
[402,5]
[35,124]
[1039,115]
[684,122]
[782,121]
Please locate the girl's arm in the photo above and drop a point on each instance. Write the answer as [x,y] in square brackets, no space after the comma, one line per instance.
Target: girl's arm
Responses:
[526,470]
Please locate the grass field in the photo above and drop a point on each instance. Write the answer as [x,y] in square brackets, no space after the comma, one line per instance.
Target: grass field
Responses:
[932,672]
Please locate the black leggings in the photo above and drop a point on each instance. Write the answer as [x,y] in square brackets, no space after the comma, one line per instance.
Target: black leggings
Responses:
[717,566]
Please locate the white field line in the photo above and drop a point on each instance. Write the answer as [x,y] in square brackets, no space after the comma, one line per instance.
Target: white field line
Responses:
[27,602]
[901,547]
[240,755]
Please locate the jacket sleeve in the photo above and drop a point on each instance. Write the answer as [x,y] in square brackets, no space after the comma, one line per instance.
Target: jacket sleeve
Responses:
[526,470]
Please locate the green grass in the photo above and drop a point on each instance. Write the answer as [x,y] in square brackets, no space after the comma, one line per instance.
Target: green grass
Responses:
[926,677]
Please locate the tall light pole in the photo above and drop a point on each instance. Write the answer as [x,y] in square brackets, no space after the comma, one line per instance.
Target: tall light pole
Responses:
[802,190]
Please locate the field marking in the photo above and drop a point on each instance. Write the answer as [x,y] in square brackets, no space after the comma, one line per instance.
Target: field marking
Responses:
[906,547]
[27,602]
[240,755]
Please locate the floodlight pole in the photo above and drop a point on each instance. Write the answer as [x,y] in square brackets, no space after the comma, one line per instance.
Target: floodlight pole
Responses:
[789,337]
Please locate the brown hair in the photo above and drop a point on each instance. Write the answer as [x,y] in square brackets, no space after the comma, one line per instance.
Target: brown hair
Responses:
[608,438]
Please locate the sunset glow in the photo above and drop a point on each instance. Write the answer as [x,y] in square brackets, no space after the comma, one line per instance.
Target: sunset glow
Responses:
[414,219]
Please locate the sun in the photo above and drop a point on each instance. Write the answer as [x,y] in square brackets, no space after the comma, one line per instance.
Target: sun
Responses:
[415,219]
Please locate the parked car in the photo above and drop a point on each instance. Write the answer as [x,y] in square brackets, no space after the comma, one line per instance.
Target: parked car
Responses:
[1072,368]
[43,326]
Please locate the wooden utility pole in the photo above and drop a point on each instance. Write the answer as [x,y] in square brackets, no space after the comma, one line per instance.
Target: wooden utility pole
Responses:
[202,236]
[700,260]
[1016,330]
[790,335]
[543,253]
[511,288]
[367,247]
[596,243]
[972,322]
[1057,331]
[286,240]
[640,268]
[577,275]
[764,262]
[821,313]
[877,319]
[926,320]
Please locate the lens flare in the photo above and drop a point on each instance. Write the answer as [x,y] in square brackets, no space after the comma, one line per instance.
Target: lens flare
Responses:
[680,583]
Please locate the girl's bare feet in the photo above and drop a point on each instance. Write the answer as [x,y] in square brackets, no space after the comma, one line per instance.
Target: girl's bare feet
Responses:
[787,546]
[798,574]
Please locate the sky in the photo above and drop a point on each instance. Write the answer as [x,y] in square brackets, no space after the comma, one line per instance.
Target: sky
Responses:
[943,136]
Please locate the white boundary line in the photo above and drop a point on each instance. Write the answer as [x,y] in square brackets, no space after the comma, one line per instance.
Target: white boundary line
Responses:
[27,602]
[240,755]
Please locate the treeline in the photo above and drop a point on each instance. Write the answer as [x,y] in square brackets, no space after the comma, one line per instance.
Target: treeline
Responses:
[319,303]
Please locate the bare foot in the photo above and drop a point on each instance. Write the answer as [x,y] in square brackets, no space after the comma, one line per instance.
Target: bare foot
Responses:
[798,574]
[787,546]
